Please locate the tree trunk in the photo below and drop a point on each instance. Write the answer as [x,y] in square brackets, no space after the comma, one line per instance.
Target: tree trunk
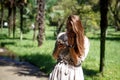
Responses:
[34,31]
[21,22]
[40,20]
[2,14]
[9,20]
[14,20]
[103,26]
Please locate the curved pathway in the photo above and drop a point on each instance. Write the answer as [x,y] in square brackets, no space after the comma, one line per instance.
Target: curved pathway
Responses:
[15,70]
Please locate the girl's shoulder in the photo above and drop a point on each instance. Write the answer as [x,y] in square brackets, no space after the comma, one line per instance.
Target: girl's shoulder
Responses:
[87,42]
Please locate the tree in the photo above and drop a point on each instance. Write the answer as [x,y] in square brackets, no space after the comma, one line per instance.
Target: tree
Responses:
[14,17]
[8,6]
[114,8]
[34,25]
[21,4]
[11,5]
[103,26]
[40,20]
[2,14]
[87,10]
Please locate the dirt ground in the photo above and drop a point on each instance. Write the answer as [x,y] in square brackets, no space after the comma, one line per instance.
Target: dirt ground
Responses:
[15,70]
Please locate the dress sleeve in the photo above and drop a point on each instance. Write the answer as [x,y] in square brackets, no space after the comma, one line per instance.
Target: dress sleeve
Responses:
[86,45]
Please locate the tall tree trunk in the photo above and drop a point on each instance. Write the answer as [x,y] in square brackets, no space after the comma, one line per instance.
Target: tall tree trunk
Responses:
[2,14]
[40,20]
[9,20]
[34,31]
[14,20]
[21,22]
[103,26]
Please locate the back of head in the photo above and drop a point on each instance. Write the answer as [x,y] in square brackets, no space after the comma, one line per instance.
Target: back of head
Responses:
[78,29]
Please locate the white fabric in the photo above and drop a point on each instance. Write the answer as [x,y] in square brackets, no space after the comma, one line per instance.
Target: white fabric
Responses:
[86,45]
[64,71]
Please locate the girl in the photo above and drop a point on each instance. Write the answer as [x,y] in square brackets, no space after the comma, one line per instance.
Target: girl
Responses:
[71,49]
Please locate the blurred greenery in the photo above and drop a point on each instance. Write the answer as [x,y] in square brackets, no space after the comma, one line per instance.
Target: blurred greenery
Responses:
[42,57]
[57,11]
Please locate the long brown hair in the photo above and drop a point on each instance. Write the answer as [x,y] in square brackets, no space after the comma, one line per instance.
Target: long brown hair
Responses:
[78,30]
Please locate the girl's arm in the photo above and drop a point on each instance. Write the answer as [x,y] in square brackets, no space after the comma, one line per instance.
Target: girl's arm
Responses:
[59,45]
[86,45]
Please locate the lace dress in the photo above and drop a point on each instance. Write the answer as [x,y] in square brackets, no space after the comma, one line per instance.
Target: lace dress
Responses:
[64,70]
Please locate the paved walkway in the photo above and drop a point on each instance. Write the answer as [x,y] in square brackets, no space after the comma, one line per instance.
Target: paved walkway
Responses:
[15,70]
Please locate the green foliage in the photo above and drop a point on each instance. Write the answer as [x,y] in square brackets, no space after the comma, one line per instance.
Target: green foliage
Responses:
[70,8]
[61,11]
[91,23]
[55,17]
[49,4]
[114,13]
[32,2]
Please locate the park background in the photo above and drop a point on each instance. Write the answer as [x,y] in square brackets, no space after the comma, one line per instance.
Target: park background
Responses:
[21,37]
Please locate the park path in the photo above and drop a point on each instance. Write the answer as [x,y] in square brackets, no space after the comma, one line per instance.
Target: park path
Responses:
[11,69]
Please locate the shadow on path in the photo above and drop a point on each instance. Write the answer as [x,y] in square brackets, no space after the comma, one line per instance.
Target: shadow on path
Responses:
[21,68]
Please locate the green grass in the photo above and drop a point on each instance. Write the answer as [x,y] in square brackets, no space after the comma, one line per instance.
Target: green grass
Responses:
[42,56]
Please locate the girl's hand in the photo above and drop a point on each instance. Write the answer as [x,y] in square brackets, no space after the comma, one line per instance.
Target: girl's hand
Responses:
[58,47]
[61,45]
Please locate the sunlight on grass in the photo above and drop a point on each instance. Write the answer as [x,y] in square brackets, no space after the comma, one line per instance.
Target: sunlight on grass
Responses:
[42,56]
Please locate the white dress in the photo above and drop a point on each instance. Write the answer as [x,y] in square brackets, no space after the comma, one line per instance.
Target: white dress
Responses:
[65,71]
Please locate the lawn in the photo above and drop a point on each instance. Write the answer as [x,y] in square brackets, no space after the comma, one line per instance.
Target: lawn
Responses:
[42,56]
